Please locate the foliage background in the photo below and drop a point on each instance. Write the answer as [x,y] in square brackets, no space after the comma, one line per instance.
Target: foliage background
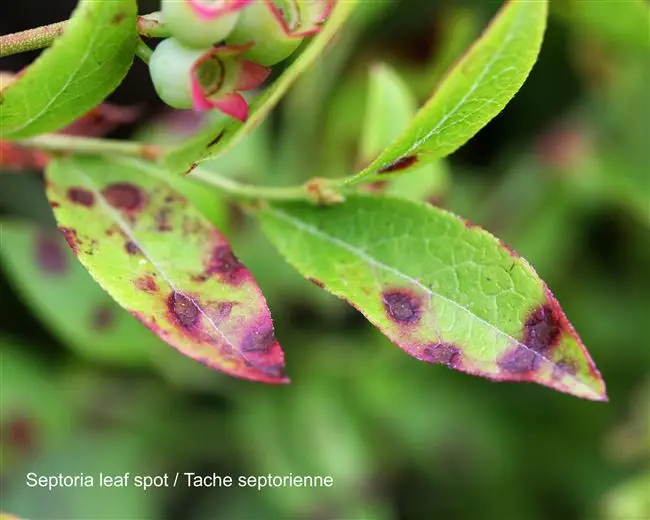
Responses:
[560,175]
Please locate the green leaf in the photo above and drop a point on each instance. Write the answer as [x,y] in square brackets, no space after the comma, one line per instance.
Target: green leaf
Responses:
[75,309]
[443,290]
[219,137]
[472,93]
[160,259]
[390,108]
[75,74]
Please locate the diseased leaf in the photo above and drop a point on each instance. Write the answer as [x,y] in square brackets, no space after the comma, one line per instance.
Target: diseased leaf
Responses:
[444,291]
[217,138]
[75,309]
[472,93]
[160,259]
[75,74]
[389,108]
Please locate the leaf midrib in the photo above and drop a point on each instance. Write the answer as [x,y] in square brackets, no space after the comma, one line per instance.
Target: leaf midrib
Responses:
[71,77]
[127,230]
[477,83]
[373,261]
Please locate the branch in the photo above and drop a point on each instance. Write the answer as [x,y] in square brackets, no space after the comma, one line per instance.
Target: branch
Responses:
[86,145]
[148,25]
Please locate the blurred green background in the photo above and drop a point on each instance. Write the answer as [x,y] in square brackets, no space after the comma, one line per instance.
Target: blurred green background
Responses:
[562,175]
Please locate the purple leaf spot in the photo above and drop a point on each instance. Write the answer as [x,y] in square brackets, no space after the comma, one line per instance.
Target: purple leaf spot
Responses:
[542,329]
[131,248]
[71,238]
[442,353]
[259,339]
[125,196]
[519,361]
[103,318]
[147,284]
[272,371]
[18,432]
[81,196]
[49,255]
[401,306]
[225,263]
[183,309]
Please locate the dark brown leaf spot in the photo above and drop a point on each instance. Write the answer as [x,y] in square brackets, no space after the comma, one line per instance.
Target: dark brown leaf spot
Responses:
[259,339]
[131,248]
[54,204]
[192,166]
[183,309]
[226,264]
[81,196]
[102,318]
[566,366]
[50,257]
[402,306]
[400,164]
[162,220]
[125,196]
[221,311]
[216,139]
[519,361]
[442,353]
[542,329]
[71,238]
[118,18]
[146,283]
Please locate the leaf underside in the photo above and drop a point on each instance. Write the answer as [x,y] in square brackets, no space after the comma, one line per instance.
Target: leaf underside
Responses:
[443,290]
[163,261]
[472,93]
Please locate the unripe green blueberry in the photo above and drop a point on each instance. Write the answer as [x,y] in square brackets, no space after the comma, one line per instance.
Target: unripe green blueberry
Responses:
[257,24]
[189,27]
[170,67]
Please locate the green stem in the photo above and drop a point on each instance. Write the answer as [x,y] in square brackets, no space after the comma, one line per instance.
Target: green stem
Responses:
[148,25]
[249,192]
[143,51]
[317,191]
[87,145]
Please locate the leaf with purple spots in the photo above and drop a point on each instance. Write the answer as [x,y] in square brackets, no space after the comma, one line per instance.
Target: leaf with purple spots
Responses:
[473,92]
[49,279]
[445,292]
[164,262]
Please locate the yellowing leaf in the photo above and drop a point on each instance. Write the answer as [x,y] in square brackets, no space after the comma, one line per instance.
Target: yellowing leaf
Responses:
[163,261]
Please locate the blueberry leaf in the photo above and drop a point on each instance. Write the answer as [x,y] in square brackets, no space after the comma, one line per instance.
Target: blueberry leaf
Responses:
[163,261]
[389,109]
[221,135]
[49,279]
[444,291]
[472,93]
[81,68]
